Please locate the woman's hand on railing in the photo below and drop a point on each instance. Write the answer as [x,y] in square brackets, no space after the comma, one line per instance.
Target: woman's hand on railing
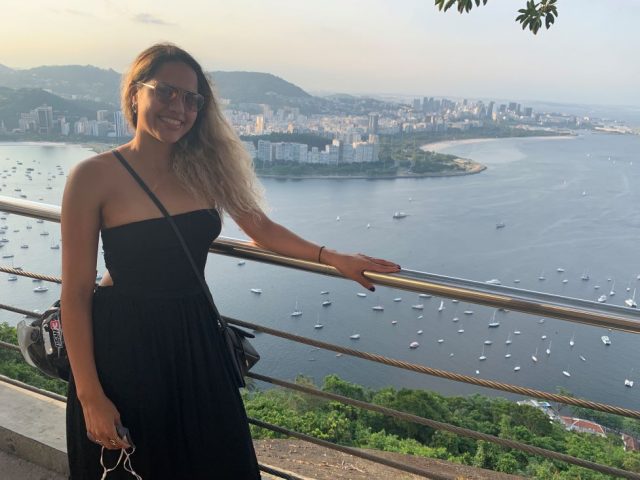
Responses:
[354,265]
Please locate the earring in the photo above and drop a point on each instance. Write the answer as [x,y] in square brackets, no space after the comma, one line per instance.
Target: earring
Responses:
[134,107]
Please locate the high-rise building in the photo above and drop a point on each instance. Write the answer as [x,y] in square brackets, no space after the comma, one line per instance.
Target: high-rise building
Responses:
[122,128]
[265,152]
[373,124]
[44,119]
[416,104]
[259,124]
[103,116]
[528,111]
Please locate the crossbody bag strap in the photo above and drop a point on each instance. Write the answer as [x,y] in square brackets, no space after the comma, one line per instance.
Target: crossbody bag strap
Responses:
[221,322]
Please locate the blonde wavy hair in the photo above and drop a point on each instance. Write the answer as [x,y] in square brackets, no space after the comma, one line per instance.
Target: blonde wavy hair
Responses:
[210,159]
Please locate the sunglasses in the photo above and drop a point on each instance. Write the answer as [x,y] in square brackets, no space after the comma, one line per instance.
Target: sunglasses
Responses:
[166,94]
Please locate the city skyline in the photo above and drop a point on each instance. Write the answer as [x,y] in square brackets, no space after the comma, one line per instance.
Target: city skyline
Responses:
[360,48]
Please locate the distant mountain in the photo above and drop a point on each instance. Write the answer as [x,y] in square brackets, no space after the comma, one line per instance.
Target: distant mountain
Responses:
[85,82]
[254,87]
[81,81]
[14,102]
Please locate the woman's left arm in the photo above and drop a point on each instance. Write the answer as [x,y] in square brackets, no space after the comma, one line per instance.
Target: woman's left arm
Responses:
[276,238]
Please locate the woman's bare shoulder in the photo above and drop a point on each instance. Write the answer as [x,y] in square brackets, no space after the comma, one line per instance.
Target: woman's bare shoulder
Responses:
[97,167]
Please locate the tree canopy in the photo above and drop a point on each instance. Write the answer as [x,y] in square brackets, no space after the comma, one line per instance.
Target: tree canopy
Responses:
[530,17]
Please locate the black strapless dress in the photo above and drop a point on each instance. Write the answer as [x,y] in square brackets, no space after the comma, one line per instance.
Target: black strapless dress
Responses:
[162,361]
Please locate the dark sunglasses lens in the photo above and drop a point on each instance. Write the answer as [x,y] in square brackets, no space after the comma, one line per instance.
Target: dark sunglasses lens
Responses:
[166,93]
[193,101]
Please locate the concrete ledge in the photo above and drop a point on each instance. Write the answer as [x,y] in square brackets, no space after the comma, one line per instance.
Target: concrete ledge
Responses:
[32,427]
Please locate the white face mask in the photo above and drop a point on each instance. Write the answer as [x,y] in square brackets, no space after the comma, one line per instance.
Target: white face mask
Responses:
[126,464]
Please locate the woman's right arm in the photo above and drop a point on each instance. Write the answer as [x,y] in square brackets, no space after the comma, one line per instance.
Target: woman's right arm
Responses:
[83,196]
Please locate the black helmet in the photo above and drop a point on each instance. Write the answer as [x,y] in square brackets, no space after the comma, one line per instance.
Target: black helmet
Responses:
[42,344]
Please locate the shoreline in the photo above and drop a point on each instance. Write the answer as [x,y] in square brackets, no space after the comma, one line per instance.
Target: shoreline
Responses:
[440,145]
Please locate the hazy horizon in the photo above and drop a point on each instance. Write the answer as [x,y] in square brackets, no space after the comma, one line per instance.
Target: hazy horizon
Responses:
[372,48]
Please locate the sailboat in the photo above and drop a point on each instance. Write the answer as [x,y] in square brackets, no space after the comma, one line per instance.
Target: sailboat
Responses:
[612,292]
[572,342]
[441,307]
[602,298]
[585,277]
[541,277]
[631,302]
[482,357]
[296,312]
[566,373]
[548,350]
[534,357]
[493,323]
[318,325]
[508,340]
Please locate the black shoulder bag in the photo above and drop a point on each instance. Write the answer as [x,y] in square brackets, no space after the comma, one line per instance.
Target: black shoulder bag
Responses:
[242,354]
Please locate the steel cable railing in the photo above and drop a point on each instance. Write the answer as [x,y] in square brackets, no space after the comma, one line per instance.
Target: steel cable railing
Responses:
[434,372]
[497,296]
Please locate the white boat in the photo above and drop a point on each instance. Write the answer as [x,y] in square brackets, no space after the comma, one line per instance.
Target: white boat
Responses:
[488,342]
[493,323]
[355,336]
[455,319]
[257,290]
[564,280]
[441,340]
[482,357]
[360,294]
[394,322]
[12,278]
[493,281]
[324,292]
[596,287]
[455,301]
[296,311]
[560,270]
[420,316]
[368,225]
[418,306]
[628,383]
[541,321]
[612,292]
[424,295]
[414,345]
[534,357]
[461,330]
[507,355]
[517,280]
[326,303]
[338,218]
[420,332]
[631,302]
[40,289]
[55,246]
[241,262]
[548,350]
[572,342]
[541,277]
[602,298]
[565,373]
[318,326]
[500,225]
[397,299]
[508,340]
[543,337]
[378,308]
[399,215]
[516,368]
[517,332]
[468,312]
[605,339]
[441,307]
[585,277]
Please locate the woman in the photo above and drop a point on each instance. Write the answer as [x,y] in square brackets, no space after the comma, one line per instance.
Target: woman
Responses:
[143,348]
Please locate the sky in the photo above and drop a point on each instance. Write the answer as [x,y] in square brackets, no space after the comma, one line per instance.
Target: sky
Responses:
[405,47]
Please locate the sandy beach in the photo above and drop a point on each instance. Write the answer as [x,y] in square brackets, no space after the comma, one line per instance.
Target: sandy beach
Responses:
[439,146]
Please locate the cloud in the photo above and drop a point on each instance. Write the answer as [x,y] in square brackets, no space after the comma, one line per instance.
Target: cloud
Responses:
[150,19]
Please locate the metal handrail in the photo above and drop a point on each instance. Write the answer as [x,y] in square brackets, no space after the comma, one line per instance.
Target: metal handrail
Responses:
[499,296]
